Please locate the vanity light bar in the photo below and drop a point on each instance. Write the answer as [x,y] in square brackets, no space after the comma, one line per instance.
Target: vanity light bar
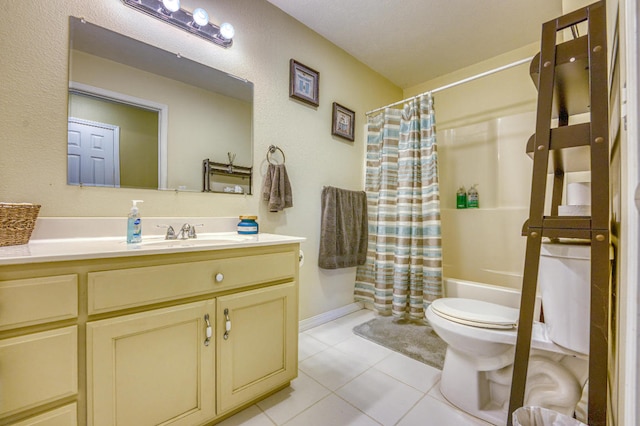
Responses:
[184,20]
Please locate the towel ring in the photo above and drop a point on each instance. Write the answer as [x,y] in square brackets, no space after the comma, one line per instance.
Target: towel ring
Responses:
[272,149]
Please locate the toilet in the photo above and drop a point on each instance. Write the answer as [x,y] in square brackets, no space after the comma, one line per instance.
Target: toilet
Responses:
[481,338]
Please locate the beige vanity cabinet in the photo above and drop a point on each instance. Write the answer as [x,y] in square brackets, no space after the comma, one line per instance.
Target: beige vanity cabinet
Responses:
[207,336]
[183,339]
[38,343]
[256,343]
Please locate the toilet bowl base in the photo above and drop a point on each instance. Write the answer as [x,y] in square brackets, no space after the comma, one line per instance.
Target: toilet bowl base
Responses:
[554,381]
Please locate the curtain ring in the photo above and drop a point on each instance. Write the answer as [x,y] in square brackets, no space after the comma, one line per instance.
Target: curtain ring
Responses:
[272,149]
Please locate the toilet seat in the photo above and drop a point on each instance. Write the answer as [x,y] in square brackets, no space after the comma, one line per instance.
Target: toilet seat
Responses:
[476,313]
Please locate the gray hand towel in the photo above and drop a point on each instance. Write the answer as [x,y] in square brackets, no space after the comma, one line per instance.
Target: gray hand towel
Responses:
[276,188]
[343,229]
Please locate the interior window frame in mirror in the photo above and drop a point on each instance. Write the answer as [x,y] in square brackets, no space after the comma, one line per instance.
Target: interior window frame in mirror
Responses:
[205,75]
[120,98]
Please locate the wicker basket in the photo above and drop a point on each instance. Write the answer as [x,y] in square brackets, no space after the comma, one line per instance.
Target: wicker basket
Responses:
[17,222]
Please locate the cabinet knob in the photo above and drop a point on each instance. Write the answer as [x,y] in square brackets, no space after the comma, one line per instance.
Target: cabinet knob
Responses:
[219,277]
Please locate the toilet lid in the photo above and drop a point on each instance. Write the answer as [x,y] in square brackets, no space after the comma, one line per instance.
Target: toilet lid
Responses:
[476,313]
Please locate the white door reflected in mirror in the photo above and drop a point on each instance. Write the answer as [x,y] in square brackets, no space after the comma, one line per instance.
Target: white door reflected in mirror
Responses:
[93,154]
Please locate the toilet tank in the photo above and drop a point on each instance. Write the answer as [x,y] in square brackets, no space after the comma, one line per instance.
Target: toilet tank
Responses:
[565,286]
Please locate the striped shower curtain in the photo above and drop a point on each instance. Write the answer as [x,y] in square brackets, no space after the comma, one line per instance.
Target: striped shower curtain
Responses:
[403,269]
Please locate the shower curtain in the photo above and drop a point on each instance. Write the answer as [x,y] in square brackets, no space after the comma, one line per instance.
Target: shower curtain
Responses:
[402,274]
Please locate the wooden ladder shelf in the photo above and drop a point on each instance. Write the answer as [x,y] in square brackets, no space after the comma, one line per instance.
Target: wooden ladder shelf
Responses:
[571,78]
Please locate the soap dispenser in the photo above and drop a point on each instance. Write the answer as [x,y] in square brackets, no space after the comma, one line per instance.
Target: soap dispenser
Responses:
[134,224]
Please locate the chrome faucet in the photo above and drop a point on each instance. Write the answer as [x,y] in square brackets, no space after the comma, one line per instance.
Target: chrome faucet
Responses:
[192,230]
[185,232]
[171,233]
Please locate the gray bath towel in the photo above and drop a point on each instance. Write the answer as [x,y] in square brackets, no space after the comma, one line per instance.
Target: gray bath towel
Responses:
[343,229]
[276,188]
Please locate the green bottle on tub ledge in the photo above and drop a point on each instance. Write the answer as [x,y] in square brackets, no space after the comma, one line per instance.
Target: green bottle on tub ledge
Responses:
[461,198]
[472,197]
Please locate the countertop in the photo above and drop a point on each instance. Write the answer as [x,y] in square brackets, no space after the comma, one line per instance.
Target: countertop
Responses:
[55,250]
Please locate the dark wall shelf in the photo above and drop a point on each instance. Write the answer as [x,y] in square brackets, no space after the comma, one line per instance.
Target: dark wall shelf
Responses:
[230,176]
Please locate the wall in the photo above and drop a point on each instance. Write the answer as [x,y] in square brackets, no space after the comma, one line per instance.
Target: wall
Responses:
[483,128]
[628,320]
[511,92]
[33,117]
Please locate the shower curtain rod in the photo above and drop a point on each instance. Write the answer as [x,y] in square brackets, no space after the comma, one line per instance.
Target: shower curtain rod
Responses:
[457,83]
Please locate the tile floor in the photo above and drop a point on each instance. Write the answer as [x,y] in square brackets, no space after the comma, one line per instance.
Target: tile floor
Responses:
[347,380]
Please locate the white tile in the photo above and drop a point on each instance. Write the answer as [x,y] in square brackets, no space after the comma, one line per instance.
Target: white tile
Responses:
[432,412]
[333,368]
[364,349]
[382,397]
[437,395]
[379,386]
[332,411]
[331,333]
[251,416]
[300,395]
[308,346]
[434,392]
[356,318]
[340,329]
[414,373]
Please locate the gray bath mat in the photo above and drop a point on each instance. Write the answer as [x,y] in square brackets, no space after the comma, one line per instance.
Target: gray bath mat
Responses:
[417,341]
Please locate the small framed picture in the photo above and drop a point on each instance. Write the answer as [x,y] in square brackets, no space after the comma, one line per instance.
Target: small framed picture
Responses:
[304,83]
[343,122]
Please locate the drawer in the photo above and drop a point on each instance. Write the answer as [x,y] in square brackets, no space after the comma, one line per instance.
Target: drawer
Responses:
[126,288]
[63,416]
[38,300]
[38,368]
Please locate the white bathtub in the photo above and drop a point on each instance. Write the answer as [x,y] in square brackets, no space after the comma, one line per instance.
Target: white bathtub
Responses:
[454,287]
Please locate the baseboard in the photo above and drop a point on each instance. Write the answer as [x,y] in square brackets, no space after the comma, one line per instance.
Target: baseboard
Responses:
[325,317]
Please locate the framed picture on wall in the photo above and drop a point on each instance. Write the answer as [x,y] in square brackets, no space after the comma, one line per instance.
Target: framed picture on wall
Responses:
[343,122]
[304,83]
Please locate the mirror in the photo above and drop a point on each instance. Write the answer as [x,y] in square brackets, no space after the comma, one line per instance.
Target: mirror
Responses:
[142,117]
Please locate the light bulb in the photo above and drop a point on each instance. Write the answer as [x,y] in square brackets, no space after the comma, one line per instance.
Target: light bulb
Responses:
[200,17]
[171,5]
[227,31]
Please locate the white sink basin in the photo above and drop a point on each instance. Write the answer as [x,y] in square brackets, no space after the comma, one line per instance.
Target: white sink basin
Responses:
[202,239]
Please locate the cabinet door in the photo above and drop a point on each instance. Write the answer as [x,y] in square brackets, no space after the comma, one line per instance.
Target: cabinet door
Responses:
[151,368]
[260,351]
[38,368]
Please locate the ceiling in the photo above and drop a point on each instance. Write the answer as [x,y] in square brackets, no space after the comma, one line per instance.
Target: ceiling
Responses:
[413,41]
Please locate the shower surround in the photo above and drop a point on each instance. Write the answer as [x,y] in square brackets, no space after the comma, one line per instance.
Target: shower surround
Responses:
[485,244]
